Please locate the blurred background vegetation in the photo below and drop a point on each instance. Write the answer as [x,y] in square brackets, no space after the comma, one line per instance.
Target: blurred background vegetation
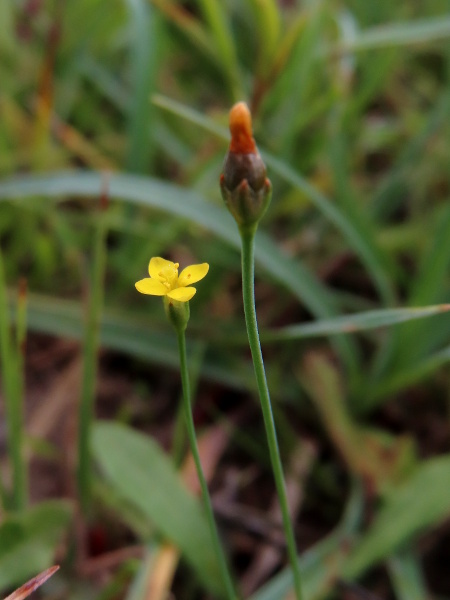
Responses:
[113,129]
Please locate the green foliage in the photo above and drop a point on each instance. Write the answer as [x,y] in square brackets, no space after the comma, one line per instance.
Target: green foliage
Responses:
[28,540]
[351,106]
[417,504]
[142,473]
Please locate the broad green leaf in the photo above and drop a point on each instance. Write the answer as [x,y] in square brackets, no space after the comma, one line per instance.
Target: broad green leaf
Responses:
[28,541]
[140,471]
[418,504]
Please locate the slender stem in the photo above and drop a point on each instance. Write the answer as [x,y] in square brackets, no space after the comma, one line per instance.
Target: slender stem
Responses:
[21,478]
[13,392]
[204,487]
[90,349]
[248,290]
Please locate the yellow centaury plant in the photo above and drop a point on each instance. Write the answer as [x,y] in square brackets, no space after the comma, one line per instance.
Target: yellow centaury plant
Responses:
[176,291]
[165,281]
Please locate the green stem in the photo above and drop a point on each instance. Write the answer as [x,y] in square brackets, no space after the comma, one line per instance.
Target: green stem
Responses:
[195,453]
[248,290]
[90,350]
[13,392]
[21,468]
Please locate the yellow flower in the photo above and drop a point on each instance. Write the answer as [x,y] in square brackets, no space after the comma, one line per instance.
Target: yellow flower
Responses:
[165,281]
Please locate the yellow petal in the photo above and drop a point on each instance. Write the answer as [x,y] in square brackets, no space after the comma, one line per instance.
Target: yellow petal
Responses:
[157,264]
[151,286]
[192,274]
[182,294]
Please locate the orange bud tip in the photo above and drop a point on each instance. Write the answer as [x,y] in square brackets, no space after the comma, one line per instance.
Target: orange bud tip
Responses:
[242,141]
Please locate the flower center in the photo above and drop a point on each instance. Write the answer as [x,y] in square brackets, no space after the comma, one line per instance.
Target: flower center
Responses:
[169,276]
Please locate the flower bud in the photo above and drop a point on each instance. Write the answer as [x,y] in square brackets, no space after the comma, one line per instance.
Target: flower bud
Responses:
[177,312]
[245,188]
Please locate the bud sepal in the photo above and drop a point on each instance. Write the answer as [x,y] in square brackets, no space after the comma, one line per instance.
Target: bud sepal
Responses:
[178,313]
[246,204]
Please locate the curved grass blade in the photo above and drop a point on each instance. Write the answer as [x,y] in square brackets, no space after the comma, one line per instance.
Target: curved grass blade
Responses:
[146,191]
[407,377]
[373,319]
[365,247]
[422,502]
[190,27]
[421,31]
[429,285]
[64,318]
[407,578]
[391,191]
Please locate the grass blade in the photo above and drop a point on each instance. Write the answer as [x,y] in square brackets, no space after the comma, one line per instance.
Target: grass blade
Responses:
[144,35]
[421,31]
[64,318]
[217,20]
[400,520]
[268,24]
[373,319]
[407,578]
[153,193]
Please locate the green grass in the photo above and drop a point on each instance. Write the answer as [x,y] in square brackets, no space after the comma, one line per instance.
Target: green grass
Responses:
[350,105]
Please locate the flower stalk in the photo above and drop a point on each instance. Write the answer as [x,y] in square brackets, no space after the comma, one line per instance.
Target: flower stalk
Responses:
[11,360]
[176,290]
[247,193]
[90,359]
[248,293]
[228,583]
